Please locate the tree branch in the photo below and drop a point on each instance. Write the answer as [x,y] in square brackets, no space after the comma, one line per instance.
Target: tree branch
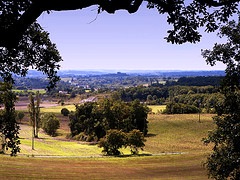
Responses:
[13,35]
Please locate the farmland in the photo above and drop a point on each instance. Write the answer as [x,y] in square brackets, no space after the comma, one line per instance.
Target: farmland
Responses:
[173,147]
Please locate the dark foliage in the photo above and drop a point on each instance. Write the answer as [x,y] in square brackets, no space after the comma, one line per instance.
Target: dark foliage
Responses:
[33,48]
[223,162]
[116,139]
[65,111]
[95,119]
[185,17]
[8,124]
[113,141]
[50,123]
[199,81]
[178,108]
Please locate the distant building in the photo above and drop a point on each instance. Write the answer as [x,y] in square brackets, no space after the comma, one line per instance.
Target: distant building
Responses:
[62,92]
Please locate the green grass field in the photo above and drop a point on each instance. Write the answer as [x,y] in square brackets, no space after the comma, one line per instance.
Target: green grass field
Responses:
[179,134]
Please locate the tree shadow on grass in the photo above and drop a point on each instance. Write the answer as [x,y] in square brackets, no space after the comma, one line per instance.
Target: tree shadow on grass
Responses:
[131,155]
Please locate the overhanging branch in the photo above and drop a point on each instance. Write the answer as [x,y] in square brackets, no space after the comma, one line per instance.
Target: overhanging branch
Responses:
[11,36]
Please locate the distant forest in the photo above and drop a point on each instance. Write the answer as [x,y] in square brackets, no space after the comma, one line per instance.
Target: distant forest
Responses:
[198,81]
[119,80]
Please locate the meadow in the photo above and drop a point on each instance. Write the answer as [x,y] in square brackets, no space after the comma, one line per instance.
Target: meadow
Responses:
[173,150]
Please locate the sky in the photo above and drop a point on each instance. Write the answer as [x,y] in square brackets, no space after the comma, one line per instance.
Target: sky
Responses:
[121,41]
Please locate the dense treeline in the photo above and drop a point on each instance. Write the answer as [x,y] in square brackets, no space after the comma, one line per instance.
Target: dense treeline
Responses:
[198,81]
[30,83]
[179,108]
[207,102]
[190,98]
[91,120]
[142,93]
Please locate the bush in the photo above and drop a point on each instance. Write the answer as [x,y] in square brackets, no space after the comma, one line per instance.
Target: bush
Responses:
[50,123]
[65,112]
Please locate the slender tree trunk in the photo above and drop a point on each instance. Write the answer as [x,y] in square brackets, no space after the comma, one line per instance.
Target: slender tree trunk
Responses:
[37,114]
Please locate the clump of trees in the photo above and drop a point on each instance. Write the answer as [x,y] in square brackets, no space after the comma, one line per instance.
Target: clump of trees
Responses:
[50,123]
[95,119]
[115,139]
[179,108]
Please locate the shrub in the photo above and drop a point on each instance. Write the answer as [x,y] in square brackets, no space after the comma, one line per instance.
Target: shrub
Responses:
[65,112]
[50,123]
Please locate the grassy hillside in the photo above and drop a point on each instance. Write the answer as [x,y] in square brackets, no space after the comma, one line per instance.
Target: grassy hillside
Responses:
[167,134]
[178,133]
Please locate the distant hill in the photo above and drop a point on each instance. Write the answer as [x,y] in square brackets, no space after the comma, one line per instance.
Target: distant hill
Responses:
[176,74]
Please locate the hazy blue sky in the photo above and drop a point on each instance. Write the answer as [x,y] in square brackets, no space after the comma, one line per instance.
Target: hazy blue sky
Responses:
[121,41]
